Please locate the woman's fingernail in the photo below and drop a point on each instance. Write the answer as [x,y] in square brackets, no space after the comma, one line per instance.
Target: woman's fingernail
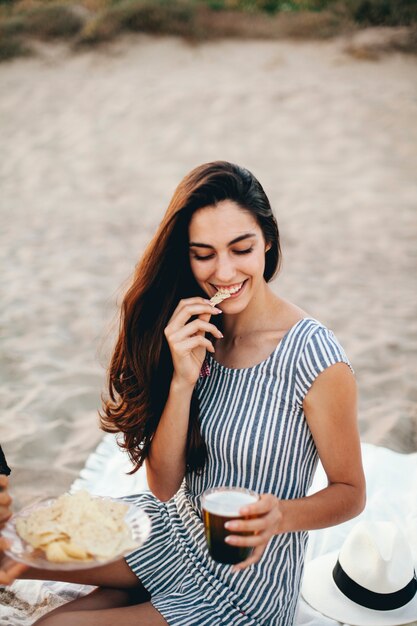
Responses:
[217,310]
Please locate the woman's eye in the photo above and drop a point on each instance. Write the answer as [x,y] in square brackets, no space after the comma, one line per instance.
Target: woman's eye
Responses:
[244,251]
[210,256]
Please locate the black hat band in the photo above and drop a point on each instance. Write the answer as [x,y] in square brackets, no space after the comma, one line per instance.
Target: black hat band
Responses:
[371,599]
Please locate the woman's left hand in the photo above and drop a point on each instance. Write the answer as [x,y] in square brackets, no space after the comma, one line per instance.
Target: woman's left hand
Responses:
[266,521]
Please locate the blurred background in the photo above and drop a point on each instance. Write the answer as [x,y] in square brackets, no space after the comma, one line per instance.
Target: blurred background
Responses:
[105,106]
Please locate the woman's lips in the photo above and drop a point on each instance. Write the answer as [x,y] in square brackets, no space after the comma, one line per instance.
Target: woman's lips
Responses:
[237,293]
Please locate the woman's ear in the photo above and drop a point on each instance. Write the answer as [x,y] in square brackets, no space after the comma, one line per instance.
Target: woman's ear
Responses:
[268,246]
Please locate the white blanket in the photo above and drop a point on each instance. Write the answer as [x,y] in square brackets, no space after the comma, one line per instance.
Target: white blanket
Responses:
[392,495]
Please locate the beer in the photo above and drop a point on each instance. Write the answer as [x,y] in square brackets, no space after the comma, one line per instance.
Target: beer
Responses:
[220,506]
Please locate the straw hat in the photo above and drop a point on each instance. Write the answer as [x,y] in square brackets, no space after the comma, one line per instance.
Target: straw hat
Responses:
[370,582]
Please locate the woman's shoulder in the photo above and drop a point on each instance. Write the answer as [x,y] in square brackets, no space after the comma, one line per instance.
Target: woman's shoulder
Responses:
[309,344]
[301,328]
[315,348]
[287,316]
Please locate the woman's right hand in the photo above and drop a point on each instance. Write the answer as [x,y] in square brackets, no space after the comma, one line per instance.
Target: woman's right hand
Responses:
[187,340]
[9,570]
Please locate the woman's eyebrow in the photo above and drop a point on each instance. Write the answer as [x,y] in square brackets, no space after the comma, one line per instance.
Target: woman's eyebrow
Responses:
[194,244]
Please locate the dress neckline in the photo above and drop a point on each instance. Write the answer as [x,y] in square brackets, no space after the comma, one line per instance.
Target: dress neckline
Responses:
[290,331]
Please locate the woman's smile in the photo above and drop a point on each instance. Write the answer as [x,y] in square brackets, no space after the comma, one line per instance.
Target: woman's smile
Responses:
[234,290]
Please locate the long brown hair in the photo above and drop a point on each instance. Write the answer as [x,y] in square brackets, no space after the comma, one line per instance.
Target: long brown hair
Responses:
[141,367]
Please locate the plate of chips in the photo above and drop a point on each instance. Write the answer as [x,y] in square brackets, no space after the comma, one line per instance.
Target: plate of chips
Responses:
[75,531]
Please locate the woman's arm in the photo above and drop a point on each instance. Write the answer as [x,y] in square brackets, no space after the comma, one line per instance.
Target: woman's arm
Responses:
[165,464]
[330,408]
[331,413]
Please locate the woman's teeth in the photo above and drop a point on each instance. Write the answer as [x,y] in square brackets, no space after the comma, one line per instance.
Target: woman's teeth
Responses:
[230,290]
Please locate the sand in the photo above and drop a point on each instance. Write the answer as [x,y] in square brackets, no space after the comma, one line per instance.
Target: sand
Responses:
[92,147]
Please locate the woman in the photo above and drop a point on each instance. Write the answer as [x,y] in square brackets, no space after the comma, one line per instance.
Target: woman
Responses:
[249,394]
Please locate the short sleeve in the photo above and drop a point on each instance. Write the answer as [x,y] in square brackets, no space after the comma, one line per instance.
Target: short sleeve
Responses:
[320,351]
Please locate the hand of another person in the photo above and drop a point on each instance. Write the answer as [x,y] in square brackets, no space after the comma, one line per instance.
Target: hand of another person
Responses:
[9,570]
[187,341]
[266,517]
[5,501]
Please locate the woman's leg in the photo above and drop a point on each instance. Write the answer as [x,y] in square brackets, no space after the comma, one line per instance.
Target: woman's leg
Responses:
[117,575]
[118,587]
[102,598]
[134,615]
[99,599]
[119,590]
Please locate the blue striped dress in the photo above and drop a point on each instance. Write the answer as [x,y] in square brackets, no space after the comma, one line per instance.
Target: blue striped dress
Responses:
[257,437]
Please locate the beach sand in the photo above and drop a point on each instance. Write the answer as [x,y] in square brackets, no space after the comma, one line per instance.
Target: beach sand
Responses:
[93,145]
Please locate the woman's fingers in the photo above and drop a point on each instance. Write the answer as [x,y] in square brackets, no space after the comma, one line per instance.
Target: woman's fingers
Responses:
[186,302]
[269,519]
[185,347]
[248,541]
[262,506]
[185,334]
[255,525]
[197,327]
[261,528]
[184,312]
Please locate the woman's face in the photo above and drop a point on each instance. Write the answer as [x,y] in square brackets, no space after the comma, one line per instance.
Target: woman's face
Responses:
[227,251]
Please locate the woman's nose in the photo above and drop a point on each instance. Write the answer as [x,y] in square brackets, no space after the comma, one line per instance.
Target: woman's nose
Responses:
[225,271]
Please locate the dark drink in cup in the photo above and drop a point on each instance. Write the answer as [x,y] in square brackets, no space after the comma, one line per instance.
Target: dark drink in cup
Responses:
[219,506]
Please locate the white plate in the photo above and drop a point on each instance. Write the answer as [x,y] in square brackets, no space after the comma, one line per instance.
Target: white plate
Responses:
[21,551]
